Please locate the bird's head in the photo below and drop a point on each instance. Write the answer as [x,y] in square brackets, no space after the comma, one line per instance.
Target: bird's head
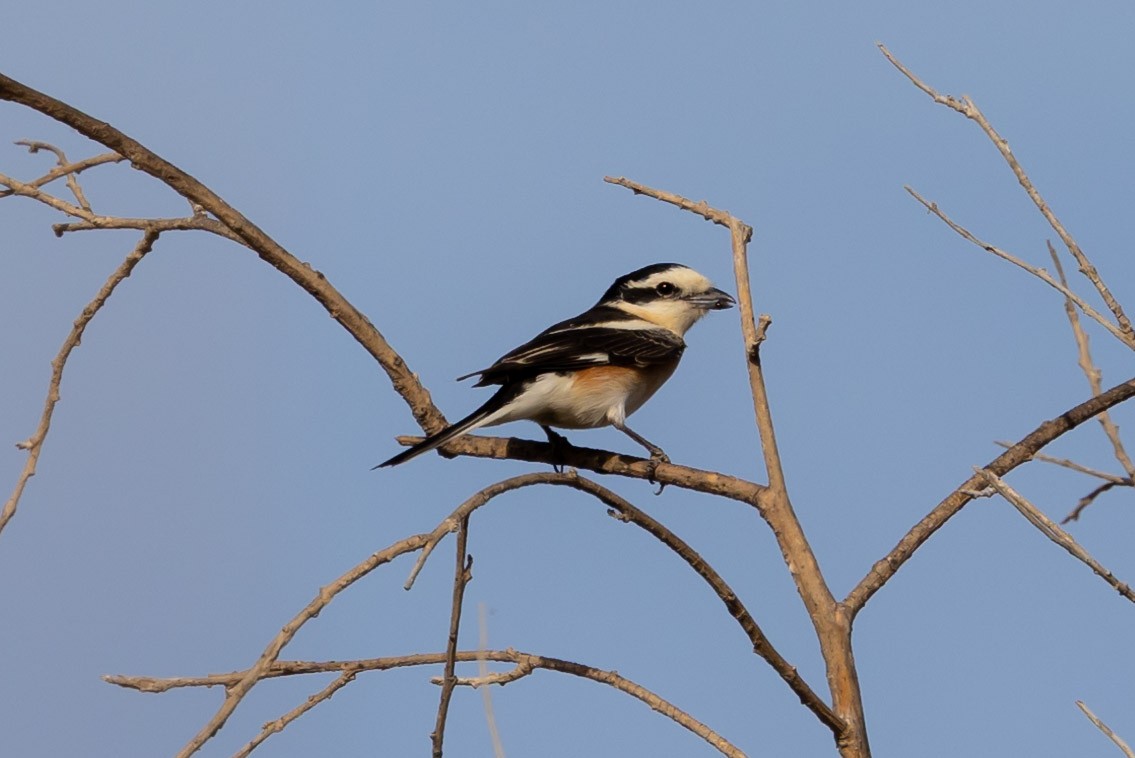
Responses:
[670,295]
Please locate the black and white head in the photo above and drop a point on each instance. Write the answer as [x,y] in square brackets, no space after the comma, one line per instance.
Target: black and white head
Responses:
[670,295]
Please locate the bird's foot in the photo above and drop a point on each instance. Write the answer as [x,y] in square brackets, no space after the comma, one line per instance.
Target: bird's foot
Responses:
[657,457]
[560,445]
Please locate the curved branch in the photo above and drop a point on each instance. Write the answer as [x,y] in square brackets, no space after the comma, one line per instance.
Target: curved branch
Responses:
[603,462]
[628,512]
[1019,453]
[34,444]
[529,661]
[404,381]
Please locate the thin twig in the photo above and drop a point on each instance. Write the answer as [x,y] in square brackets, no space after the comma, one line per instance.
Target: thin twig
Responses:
[77,167]
[90,220]
[278,725]
[1021,452]
[1088,499]
[967,108]
[1092,372]
[525,662]
[462,575]
[1040,273]
[237,690]
[1111,735]
[1070,464]
[66,169]
[1052,530]
[34,444]
[61,159]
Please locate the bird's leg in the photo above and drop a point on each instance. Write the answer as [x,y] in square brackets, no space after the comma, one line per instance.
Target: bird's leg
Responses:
[559,445]
[657,454]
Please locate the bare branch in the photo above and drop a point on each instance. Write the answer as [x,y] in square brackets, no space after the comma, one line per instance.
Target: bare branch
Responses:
[1019,453]
[967,108]
[602,462]
[462,576]
[524,661]
[34,444]
[90,220]
[1127,751]
[68,170]
[236,691]
[1050,529]
[1090,498]
[63,163]
[277,726]
[1040,273]
[1070,464]
[833,627]
[404,380]
[1092,372]
[628,512]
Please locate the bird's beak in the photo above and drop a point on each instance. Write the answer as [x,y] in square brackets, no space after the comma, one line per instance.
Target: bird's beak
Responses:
[712,299]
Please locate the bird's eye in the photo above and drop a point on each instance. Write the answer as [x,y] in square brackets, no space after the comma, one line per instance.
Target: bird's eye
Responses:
[665,288]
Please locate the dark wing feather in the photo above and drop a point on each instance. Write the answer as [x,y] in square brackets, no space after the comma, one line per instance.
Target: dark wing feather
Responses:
[576,344]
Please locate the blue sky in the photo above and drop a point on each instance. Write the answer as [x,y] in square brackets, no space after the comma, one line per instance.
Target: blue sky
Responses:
[209,466]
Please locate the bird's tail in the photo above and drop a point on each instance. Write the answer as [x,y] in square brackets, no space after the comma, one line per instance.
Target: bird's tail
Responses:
[474,420]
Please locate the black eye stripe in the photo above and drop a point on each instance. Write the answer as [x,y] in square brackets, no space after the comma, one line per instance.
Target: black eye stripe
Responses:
[639,294]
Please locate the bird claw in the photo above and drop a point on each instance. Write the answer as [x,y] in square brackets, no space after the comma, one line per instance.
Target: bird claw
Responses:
[560,444]
[657,457]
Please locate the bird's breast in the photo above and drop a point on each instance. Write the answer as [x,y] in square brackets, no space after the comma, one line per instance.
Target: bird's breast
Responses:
[589,397]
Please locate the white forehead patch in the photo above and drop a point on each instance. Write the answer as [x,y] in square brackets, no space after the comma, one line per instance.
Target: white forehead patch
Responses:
[686,280]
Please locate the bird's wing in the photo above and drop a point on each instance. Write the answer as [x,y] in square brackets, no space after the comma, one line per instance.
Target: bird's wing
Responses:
[571,346]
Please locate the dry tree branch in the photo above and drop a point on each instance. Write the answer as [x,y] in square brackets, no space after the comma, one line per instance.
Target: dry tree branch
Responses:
[627,512]
[462,576]
[66,168]
[1111,735]
[61,163]
[967,108]
[1040,273]
[1050,529]
[236,691]
[1088,499]
[832,625]
[278,725]
[34,444]
[1070,464]
[405,382]
[91,220]
[1019,453]
[526,661]
[603,462]
[1094,376]
[1110,481]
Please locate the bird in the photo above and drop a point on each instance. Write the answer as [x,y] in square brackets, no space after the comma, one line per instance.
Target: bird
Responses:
[597,368]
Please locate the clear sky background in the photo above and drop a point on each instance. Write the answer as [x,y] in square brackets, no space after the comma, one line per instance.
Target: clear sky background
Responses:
[442,164]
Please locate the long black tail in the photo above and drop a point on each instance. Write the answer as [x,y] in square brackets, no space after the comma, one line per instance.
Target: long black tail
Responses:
[474,420]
